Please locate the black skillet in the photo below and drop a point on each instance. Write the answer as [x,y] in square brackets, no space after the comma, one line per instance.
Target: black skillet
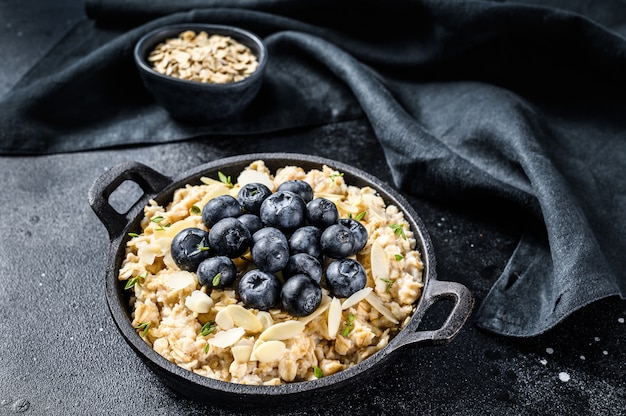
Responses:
[247,397]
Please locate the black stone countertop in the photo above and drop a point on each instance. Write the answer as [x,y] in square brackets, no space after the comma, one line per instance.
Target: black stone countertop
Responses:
[61,354]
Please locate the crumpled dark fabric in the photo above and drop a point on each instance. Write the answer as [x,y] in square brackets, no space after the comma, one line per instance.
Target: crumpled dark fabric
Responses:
[472,101]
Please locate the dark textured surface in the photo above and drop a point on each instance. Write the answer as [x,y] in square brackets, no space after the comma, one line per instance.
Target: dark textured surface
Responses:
[61,354]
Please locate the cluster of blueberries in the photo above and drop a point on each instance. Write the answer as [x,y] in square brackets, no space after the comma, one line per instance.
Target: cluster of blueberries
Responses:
[289,231]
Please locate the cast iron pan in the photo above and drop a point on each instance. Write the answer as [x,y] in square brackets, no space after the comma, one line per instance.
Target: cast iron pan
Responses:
[237,396]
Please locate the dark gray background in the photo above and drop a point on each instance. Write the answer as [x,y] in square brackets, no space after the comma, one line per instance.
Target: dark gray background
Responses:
[61,354]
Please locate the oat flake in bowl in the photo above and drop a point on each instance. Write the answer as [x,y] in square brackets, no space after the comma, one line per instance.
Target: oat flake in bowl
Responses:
[203,58]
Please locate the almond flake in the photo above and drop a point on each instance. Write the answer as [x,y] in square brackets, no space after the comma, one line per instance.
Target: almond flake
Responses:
[265,318]
[269,351]
[254,176]
[377,304]
[224,320]
[241,353]
[320,310]
[225,339]
[181,280]
[380,267]
[334,317]
[282,330]
[356,297]
[244,318]
[199,302]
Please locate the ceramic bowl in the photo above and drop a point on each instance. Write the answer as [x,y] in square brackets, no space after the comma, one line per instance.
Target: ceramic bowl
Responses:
[195,101]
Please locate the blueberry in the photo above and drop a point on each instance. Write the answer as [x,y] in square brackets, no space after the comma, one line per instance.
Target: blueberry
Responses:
[270,249]
[302,263]
[259,290]
[321,212]
[229,237]
[344,277]
[300,295]
[359,232]
[189,248]
[337,241]
[283,210]
[213,266]
[252,222]
[298,187]
[251,196]
[306,240]
[218,208]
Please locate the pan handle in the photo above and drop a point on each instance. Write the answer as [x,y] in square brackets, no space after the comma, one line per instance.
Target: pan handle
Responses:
[461,311]
[150,181]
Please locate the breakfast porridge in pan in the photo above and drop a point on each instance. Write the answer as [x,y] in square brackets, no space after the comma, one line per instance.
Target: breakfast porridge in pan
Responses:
[271,277]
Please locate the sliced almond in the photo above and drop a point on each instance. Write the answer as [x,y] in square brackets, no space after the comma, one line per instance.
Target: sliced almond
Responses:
[254,176]
[214,191]
[256,345]
[380,307]
[224,320]
[171,231]
[265,318]
[181,280]
[320,310]
[356,297]
[269,351]
[282,330]
[334,317]
[345,207]
[242,353]
[244,318]
[380,267]
[199,302]
[225,339]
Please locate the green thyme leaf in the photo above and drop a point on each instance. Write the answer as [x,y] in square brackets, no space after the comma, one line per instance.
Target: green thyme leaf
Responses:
[360,215]
[157,219]
[133,235]
[216,279]
[334,176]
[136,280]
[348,325]
[200,247]
[318,372]
[398,229]
[145,327]
[195,210]
[389,282]
[225,179]
[399,257]
[207,329]
[206,348]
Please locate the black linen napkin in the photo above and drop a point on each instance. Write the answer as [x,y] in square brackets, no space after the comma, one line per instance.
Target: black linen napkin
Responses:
[470,100]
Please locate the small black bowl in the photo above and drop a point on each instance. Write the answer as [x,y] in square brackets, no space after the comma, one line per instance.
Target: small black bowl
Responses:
[194,101]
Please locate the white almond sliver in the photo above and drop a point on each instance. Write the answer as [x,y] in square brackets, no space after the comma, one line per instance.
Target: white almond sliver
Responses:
[334,317]
[225,339]
[269,351]
[244,318]
[320,310]
[256,345]
[265,318]
[181,280]
[242,353]
[170,232]
[356,297]
[380,267]
[254,176]
[282,330]
[224,320]
[380,307]
[213,192]
[199,302]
